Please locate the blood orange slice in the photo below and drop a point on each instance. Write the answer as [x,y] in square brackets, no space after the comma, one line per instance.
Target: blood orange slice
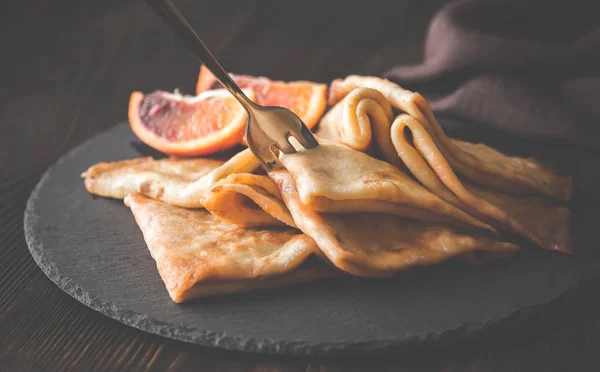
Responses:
[186,126]
[306,99]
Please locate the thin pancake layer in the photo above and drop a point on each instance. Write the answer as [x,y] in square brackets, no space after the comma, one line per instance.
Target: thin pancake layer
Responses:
[379,245]
[336,179]
[542,221]
[181,182]
[196,254]
[247,200]
[361,120]
[477,163]
[170,180]
[223,188]
[539,220]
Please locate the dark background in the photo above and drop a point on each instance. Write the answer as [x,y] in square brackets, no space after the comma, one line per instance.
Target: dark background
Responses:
[68,68]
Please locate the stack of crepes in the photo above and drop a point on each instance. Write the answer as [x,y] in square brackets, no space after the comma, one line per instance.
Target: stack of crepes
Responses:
[386,190]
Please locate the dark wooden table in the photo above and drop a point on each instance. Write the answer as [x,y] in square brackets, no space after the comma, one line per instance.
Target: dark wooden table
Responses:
[68,68]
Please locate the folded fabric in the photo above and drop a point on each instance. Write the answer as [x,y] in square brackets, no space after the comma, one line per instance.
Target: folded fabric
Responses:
[526,66]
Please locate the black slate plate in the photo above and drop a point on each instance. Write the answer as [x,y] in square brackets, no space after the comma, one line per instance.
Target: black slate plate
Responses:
[93,250]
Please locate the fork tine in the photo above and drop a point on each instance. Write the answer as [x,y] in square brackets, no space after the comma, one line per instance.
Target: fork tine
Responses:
[306,138]
[270,132]
[268,159]
[285,147]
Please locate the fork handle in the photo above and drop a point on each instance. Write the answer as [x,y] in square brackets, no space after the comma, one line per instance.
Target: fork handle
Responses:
[169,13]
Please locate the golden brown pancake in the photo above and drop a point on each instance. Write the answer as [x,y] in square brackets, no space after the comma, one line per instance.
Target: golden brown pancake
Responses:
[247,200]
[380,245]
[170,180]
[362,120]
[223,188]
[218,227]
[542,221]
[197,255]
[477,163]
[334,178]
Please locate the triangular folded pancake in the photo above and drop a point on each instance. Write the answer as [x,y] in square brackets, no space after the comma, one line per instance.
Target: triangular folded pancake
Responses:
[197,255]
[334,178]
[379,245]
[476,163]
[542,221]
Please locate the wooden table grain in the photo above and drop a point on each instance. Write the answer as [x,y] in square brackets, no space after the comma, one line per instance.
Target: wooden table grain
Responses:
[67,71]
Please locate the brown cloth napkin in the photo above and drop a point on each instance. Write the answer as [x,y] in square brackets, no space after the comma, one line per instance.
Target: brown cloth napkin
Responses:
[528,67]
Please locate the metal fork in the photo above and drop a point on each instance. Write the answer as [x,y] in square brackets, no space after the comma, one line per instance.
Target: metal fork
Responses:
[268,129]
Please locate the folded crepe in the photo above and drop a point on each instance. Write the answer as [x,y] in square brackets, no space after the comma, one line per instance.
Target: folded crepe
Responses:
[199,255]
[417,147]
[476,163]
[377,244]
[169,180]
[362,120]
[349,181]
[223,188]
[247,200]
[334,178]
[429,202]
[199,252]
